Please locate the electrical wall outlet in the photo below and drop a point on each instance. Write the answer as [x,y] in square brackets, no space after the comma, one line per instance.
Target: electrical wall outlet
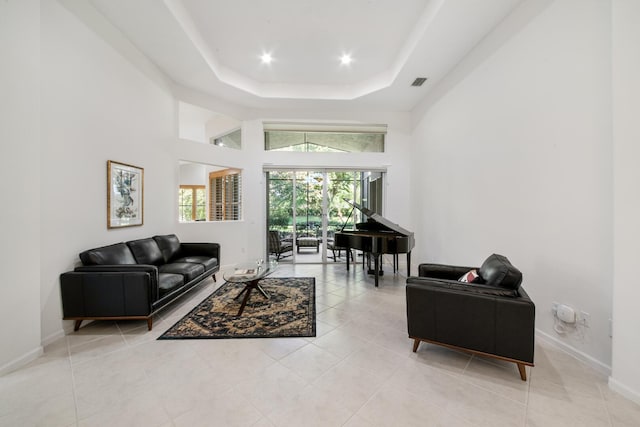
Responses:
[584,319]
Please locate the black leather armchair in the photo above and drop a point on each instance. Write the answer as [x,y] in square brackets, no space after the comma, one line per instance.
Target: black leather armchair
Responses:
[493,316]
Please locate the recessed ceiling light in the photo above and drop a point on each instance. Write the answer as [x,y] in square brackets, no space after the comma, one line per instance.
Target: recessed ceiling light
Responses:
[266,58]
[346,59]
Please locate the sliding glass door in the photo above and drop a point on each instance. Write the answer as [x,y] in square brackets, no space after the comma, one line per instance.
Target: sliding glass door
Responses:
[306,207]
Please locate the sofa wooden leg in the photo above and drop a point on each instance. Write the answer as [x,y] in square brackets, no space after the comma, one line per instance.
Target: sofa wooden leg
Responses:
[214,278]
[150,322]
[523,372]
[76,325]
[416,343]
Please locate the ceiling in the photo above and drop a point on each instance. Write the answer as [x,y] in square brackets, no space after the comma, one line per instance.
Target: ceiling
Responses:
[214,47]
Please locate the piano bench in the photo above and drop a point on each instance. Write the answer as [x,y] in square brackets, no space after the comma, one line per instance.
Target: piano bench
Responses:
[308,242]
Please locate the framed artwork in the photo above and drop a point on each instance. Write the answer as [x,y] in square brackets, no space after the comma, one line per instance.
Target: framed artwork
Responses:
[125,195]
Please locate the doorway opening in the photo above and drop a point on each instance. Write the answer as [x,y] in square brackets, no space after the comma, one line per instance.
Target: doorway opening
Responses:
[306,207]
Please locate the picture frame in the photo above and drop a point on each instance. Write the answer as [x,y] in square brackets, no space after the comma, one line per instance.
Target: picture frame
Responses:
[125,195]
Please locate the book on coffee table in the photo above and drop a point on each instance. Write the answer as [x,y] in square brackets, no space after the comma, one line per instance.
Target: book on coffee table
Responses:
[244,272]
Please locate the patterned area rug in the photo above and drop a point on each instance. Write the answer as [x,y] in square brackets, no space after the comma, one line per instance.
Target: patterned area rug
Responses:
[289,312]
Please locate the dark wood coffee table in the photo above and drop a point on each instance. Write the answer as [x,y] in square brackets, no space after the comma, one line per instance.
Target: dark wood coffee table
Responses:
[250,276]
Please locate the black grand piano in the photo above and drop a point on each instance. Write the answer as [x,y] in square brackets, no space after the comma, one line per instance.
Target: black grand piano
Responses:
[375,237]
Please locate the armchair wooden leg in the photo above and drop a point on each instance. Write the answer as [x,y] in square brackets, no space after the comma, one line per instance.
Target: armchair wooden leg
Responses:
[76,325]
[523,372]
[214,278]
[150,322]
[416,343]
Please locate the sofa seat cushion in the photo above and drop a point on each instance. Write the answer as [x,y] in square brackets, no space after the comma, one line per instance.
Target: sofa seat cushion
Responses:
[117,254]
[187,269]
[207,262]
[169,245]
[146,251]
[498,271]
[167,282]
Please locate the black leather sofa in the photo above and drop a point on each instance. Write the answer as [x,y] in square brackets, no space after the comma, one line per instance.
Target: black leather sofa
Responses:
[493,316]
[134,280]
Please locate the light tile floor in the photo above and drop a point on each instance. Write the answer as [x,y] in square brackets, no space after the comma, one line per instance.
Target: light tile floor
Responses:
[358,371]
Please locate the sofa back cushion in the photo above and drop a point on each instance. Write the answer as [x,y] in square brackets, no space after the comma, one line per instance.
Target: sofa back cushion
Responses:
[146,251]
[169,245]
[108,255]
[498,271]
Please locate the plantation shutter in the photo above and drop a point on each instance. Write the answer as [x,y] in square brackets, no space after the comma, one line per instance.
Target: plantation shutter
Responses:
[226,195]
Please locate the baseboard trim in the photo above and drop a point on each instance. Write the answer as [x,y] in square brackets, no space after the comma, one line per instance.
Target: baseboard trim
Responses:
[574,352]
[625,391]
[53,337]
[21,361]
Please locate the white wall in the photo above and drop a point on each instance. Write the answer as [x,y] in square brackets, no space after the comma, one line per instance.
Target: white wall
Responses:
[20,182]
[193,174]
[192,122]
[221,125]
[626,134]
[95,107]
[515,158]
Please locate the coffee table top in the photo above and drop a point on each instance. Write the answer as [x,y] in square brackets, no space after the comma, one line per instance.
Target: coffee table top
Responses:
[249,272]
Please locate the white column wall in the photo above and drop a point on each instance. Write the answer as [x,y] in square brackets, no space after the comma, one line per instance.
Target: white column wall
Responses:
[20,182]
[96,106]
[515,158]
[625,377]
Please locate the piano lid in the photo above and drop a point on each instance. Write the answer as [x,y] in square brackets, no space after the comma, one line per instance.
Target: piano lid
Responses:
[379,218]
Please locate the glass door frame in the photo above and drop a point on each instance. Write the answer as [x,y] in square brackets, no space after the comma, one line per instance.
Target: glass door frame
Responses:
[325,171]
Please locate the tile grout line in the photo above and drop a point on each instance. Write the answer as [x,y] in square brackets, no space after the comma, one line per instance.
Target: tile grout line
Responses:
[604,402]
[526,400]
[73,383]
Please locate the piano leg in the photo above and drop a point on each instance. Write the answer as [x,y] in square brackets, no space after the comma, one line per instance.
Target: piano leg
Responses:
[408,263]
[376,266]
[348,252]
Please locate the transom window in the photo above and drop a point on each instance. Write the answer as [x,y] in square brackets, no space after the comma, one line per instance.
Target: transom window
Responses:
[232,140]
[324,138]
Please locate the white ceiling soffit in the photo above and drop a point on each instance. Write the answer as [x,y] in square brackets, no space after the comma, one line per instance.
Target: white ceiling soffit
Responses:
[214,45]
[310,33]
